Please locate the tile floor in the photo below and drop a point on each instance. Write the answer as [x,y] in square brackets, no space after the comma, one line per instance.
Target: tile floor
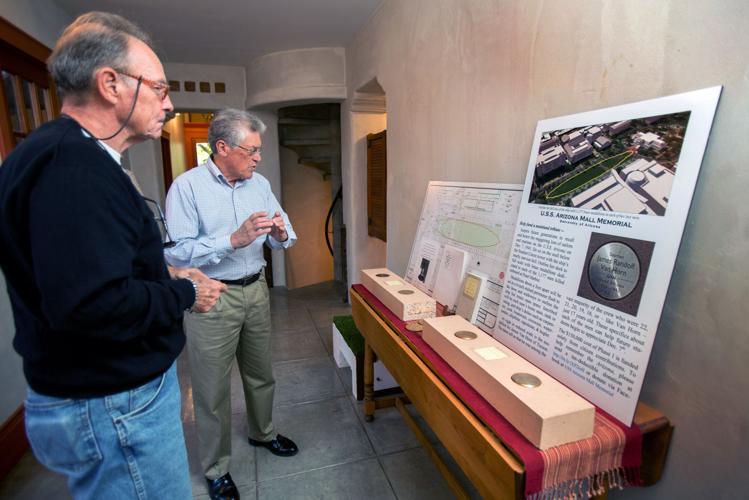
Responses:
[341,456]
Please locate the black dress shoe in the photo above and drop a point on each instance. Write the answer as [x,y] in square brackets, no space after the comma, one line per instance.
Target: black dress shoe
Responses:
[222,488]
[280,445]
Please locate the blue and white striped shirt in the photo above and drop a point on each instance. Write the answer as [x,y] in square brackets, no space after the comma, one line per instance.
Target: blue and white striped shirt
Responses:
[203,210]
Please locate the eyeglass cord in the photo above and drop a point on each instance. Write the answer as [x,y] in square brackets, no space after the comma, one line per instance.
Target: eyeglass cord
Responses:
[162,219]
[124,124]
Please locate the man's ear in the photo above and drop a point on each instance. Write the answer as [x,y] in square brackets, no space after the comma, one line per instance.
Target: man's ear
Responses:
[108,84]
[222,149]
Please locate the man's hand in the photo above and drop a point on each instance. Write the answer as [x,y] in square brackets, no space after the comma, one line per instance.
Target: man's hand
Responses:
[208,290]
[278,231]
[256,225]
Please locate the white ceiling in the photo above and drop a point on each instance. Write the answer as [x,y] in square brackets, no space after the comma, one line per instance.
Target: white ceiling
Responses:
[234,32]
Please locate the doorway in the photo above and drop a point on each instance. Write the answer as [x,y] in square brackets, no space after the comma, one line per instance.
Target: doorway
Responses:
[188,140]
[197,149]
[310,159]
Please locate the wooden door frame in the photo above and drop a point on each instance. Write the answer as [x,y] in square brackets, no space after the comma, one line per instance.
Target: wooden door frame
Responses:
[192,133]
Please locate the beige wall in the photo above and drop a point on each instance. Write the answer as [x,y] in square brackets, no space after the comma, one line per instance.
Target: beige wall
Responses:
[11,365]
[145,161]
[307,199]
[232,76]
[299,75]
[368,252]
[42,19]
[466,82]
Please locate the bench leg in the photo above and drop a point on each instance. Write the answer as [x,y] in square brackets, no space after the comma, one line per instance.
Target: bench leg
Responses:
[369,402]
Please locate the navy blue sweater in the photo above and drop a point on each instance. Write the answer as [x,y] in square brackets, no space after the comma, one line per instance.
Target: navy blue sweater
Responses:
[95,310]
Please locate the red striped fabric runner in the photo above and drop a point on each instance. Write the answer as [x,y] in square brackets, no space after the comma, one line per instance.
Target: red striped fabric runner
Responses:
[581,469]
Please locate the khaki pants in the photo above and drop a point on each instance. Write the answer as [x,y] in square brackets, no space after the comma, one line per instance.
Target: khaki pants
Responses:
[238,325]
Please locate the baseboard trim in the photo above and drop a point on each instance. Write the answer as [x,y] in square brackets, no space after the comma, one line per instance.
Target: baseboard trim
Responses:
[13,441]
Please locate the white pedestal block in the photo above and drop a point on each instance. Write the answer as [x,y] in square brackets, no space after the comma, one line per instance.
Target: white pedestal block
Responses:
[547,414]
[344,356]
[403,299]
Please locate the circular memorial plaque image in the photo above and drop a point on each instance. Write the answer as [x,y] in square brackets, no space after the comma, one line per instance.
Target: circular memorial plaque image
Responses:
[414,326]
[526,380]
[405,292]
[382,275]
[465,335]
[614,270]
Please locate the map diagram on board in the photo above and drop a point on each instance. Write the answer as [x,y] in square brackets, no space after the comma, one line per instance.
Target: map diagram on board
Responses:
[464,226]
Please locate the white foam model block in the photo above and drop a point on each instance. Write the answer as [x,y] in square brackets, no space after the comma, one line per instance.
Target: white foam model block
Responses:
[547,415]
[404,300]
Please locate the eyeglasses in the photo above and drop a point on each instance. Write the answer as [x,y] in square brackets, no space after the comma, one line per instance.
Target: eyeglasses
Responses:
[161,88]
[159,217]
[251,151]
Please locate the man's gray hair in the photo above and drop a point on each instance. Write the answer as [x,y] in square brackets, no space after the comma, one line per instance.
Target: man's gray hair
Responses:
[231,126]
[93,40]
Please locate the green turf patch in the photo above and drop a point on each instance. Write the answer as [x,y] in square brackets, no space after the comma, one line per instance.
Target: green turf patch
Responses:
[350,334]
[589,174]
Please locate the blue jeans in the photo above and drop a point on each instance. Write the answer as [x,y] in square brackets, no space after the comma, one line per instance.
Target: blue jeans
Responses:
[124,446]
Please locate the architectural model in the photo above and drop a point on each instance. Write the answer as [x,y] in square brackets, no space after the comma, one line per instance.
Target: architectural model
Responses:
[543,410]
[403,299]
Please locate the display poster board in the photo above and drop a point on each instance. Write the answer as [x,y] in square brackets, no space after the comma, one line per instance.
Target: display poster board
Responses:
[605,201]
[464,226]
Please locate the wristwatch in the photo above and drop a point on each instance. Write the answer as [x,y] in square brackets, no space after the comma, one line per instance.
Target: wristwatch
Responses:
[195,287]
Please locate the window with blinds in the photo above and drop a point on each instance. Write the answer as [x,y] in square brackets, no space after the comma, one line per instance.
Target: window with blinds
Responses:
[377,185]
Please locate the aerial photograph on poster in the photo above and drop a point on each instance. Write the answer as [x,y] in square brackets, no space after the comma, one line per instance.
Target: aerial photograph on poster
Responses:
[626,166]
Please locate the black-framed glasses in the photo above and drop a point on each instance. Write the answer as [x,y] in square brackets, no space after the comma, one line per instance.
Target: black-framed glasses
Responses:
[251,151]
[159,217]
[161,88]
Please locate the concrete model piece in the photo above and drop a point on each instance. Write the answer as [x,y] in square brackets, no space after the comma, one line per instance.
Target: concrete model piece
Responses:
[404,300]
[544,411]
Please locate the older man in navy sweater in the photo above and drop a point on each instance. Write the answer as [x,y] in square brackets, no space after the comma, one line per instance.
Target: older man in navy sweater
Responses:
[98,316]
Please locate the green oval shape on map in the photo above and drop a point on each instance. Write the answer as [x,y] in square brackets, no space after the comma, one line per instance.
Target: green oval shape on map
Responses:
[469,233]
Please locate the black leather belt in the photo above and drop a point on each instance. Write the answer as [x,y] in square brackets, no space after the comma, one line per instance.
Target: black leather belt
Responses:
[247,280]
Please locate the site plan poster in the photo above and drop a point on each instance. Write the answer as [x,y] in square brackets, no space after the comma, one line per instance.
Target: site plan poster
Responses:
[465,226]
[604,205]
